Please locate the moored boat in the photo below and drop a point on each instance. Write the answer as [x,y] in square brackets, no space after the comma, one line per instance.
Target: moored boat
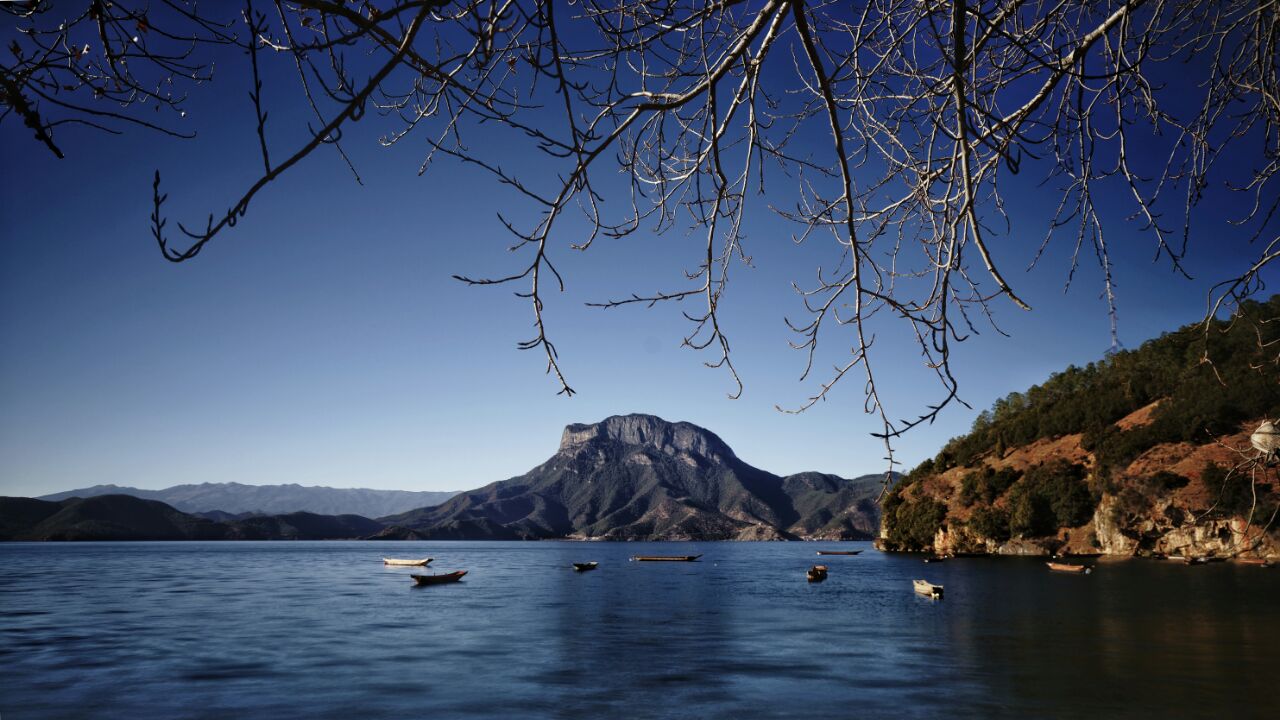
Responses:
[924,587]
[398,561]
[1259,562]
[440,579]
[583,567]
[817,573]
[1069,568]
[839,552]
[666,558]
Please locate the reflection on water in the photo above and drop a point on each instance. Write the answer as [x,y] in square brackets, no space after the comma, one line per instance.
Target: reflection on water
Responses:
[324,630]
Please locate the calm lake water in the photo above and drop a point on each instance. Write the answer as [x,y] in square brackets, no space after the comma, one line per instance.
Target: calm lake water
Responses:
[322,629]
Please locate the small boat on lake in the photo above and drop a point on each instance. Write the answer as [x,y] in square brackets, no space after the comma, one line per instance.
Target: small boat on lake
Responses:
[935,559]
[1069,568]
[666,558]
[839,552]
[1259,562]
[928,589]
[398,561]
[440,579]
[817,573]
[583,567]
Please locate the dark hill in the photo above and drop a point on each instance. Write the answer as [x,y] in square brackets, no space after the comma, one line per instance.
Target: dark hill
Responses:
[106,517]
[304,526]
[124,517]
[638,477]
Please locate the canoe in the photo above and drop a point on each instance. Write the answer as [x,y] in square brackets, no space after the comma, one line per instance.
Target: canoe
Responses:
[582,567]
[1260,562]
[817,573]
[397,561]
[666,558]
[924,587]
[839,552]
[1069,568]
[439,579]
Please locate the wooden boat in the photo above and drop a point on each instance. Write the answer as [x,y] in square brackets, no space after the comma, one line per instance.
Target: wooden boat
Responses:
[1069,568]
[924,587]
[666,558]
[397,561]
[839,552]
[583,567]
[440,579]
[817,573]
[1260,562]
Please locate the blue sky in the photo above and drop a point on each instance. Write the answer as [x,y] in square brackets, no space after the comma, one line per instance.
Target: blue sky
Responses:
[323,341]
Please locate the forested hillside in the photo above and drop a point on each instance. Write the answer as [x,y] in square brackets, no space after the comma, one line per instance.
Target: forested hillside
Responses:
[1142,451]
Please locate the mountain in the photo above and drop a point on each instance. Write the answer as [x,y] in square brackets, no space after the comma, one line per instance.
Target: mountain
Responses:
[639,477]
[106,517]
[304,526]
[124,517]
[235,498]
[1144,452]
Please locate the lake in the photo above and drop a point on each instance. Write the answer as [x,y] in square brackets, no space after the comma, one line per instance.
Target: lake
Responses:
[322,629]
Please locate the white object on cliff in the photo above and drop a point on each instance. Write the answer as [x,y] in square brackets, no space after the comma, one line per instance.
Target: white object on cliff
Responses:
[1266,440]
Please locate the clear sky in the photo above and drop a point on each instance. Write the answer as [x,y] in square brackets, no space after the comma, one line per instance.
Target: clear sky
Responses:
[323,342]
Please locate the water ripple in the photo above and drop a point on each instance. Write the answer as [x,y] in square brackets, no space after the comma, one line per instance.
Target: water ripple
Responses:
[211,630]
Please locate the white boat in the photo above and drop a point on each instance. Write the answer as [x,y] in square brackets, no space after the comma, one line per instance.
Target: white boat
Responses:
[397,561]
[924,587]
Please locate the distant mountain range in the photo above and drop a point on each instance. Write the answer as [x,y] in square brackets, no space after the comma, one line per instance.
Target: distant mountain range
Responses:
[632,477]
[236,499]
[639,477]
[124,517]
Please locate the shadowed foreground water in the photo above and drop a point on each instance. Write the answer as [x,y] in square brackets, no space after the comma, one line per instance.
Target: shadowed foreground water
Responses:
[321,629]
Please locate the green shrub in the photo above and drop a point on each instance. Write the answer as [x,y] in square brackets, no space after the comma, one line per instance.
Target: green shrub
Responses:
[1165,481]
[1050,496]
[1235,494]
[986,485]
[1129,505]
[913,524]
[1030,514]
[990,522]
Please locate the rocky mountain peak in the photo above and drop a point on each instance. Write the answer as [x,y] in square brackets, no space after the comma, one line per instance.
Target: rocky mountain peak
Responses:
[672,438]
